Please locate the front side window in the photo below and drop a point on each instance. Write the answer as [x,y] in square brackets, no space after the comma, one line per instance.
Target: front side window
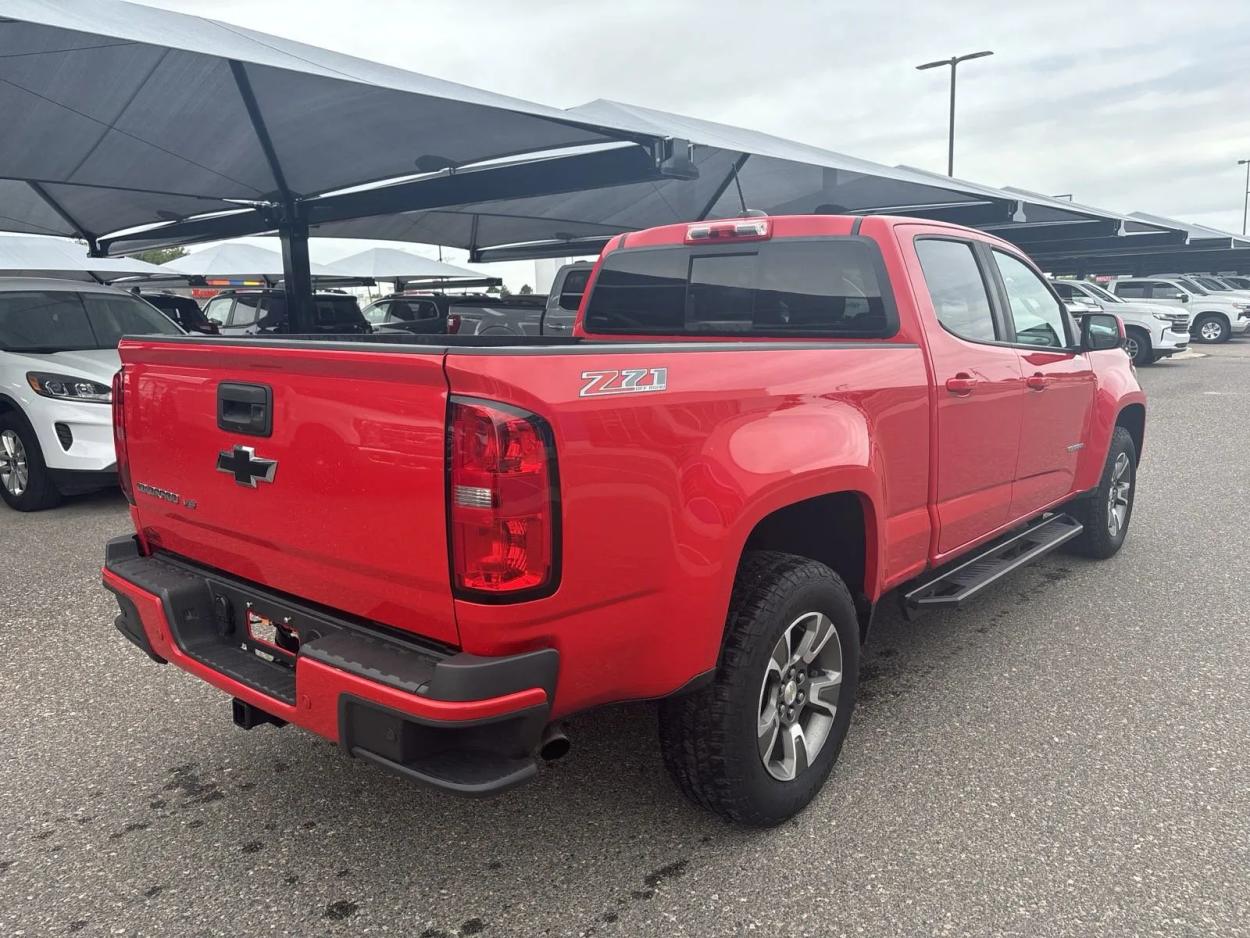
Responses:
[1191,286]
[1038,316]
[378,312]
[957,289]
[246,308]
[218,309]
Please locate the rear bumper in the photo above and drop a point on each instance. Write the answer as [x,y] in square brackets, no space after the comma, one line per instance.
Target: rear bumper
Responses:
[455,721]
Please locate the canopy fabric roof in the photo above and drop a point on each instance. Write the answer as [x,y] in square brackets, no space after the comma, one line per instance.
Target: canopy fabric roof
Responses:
[775,175]
[233,260]
[392,264]
[55,257]
[119,115]
[1198,233]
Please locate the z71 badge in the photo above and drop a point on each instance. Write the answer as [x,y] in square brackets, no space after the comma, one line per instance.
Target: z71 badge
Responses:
[625,381]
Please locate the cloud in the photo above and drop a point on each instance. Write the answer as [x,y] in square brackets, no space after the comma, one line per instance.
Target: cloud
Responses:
[1143,106]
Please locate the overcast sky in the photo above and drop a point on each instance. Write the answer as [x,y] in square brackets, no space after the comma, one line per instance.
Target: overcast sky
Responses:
[1129,106]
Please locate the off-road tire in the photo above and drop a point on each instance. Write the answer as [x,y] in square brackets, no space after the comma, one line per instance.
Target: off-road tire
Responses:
[1096,540]
[709,738]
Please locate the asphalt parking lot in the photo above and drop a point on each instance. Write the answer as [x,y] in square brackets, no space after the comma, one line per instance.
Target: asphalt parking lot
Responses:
[1068,756]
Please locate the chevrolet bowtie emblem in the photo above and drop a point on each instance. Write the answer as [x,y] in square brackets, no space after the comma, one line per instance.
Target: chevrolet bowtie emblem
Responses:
[246,467]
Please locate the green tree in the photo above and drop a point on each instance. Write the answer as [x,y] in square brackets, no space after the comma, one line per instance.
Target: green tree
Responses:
[160,255]
[525,290]
[504,291]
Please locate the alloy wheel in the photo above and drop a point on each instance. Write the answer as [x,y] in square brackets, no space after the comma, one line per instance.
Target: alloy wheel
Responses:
[1211,330]
[1121,491]
[799,695]
[1130,346]
[14,472]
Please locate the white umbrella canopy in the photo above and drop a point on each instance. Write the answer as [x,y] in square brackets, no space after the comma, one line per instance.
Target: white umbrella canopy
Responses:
[233,260]
[59,257]
[394,264]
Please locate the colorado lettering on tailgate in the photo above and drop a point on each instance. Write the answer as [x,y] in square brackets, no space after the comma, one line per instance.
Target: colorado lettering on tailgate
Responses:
[625,381]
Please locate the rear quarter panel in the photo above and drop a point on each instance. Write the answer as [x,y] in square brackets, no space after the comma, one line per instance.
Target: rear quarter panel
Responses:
[660,491]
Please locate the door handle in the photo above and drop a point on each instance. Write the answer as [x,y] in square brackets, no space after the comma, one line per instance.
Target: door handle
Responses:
[245,408]
[1037,382]
[962,383]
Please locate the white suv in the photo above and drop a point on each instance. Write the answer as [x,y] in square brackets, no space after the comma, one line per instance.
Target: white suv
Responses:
[58,355]
[1212,317]
[1151,331]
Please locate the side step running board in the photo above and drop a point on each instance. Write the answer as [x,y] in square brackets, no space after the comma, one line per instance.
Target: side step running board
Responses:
[954,585]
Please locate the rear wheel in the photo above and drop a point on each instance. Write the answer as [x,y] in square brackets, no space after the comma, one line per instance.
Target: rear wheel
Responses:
[1106,512]
[25,484]
[1137,344]
[757,744]
[1211,328]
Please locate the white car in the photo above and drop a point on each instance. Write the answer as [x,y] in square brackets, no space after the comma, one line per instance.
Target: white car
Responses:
[1212,318]
[1151,331]
[58,355]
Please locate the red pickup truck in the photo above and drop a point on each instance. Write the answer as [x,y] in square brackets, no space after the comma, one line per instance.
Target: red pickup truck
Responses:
[431,549]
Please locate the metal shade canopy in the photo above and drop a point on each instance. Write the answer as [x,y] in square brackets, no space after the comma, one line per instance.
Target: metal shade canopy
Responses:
[20,257]
[743,168]
[737,168]
[119,115]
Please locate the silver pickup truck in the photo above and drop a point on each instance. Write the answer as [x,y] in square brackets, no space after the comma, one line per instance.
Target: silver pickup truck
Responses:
[524,315]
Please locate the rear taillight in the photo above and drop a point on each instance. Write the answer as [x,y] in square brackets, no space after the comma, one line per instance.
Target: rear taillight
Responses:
[504,502]
[752,229]
[453,324]
[119,437]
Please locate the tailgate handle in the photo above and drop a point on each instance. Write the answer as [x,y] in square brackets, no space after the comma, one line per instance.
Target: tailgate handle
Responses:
[245,408]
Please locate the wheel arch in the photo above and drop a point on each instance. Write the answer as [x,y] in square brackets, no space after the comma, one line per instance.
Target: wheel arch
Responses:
[1132,417]
[838,529]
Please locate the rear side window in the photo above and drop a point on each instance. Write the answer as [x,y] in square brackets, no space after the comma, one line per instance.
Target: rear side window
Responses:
[957,289]
[573,288]
[792,287]
[1138,290]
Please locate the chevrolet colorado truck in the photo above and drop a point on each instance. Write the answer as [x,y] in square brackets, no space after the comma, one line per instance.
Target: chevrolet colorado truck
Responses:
[432,549]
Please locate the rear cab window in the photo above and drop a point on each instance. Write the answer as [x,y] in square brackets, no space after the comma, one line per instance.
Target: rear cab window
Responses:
[790,287]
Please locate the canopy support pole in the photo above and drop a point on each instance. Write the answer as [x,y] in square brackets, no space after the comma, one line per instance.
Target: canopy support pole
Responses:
[730,178]
[296,276]
[291,221]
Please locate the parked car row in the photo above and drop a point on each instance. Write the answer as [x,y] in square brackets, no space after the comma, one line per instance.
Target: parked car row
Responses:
[1163,311]
[58,338]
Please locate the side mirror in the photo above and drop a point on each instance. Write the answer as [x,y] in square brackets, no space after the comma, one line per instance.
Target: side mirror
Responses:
[1101,331]
[217,322]
[1184,297]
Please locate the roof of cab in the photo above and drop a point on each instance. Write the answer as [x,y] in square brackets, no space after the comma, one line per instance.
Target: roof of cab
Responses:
[13,284]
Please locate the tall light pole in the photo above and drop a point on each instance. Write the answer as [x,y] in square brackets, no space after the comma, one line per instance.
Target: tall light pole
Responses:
[953,62]
[1245,199]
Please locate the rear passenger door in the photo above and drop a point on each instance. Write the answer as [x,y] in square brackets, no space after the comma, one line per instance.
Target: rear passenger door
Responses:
[1059,382]
[979,391]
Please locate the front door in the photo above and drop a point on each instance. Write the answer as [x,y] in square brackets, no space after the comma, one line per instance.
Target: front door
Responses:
[979,393]
[1059,383]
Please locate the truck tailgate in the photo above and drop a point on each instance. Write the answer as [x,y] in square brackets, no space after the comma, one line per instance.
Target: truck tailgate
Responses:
[353,515]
